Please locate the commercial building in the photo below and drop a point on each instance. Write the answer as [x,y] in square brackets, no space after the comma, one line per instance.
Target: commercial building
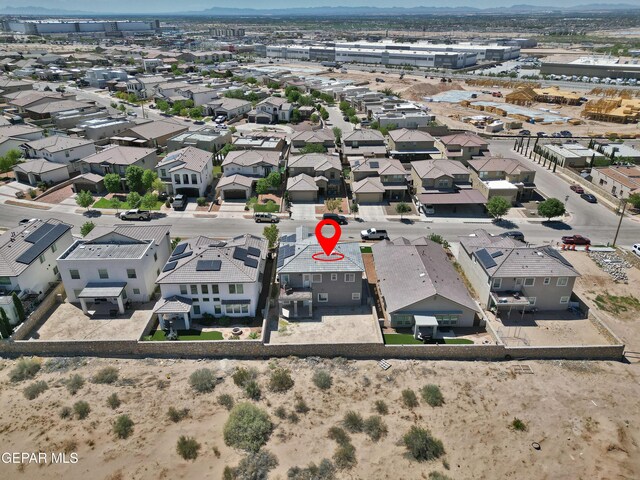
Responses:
[81,27]
[594,66]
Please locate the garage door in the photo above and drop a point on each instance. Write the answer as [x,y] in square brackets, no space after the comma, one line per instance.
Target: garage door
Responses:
[22,177]
[235,194]
[188,192]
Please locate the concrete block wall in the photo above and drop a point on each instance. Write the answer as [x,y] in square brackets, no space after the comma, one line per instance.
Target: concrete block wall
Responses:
[25,328]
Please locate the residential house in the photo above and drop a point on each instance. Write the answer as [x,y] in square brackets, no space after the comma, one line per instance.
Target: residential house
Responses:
[8,85]
[200,95]
[235,187]
[418,285]
[325,171]
[49,109]
[271,110]
[38,171]
[571,155]
[58,149]
[28,260]
[374,180]
[115,265]
[322,137]
[204,276]
[98,77]
[151,134]
[206,139]
[307,284]
[13,136]
[412,120]
[444,185]
[22,100]
[274,141]
[230,108]
[504,177]
[143,86]
[618,151]
[619,180]
[305,188]
[101,129]
[116,159]
[188,171]
[510,276]
[250,163]
[462,146]
[364,143]
[409,145]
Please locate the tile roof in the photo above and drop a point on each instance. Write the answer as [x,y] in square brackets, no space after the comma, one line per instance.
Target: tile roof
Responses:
[411,271]
[464,140]
[189,158]
[497,164]
[57,106]
[627,176]
[368,185]
[302,262]
[136,232]
[155,129]
[18,130]
[438,168]
[57,143]
[38,165]
[318,161]
[363,134]
[314,136]
[406,135]
[301,183]
[237,179]
[117,155]
[248,158]
[381,166]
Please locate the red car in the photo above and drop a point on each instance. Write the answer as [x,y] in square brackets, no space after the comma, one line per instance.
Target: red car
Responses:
[576,240]
[577,188]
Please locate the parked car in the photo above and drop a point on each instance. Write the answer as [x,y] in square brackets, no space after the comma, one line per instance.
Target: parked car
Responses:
[265,218]
[514,234]
[162,196]
[339,219]
[589,197]
[26,220]
[524,132]
[566,134]
[577,188]
[135,214]
[179,202]
[576,240]
[636,249]
[374,234]
[429,209]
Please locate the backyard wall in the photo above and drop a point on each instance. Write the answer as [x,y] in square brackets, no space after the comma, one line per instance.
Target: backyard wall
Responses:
[57,295]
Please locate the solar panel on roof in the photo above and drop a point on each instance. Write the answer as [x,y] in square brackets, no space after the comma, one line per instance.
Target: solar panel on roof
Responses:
[169,266]
[43,242]
[39,233]
[182,255]
[179,249]
[208,265]
[251,262]
[280,261]
[485,258]
[289,251]
[239,253]
[497,254]
[253,251]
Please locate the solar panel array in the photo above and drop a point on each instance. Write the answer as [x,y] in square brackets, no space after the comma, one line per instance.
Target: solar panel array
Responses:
[253,251]
[285,252]
[251,262]
[486,259]
[169,266]
[41,241]
[243,254]
[208,265]
[497,254]
[182,255]
[179,249]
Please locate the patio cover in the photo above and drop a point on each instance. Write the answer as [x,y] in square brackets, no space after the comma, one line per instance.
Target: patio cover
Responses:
[175,304]
[425,321]
[102,290]
[462,197]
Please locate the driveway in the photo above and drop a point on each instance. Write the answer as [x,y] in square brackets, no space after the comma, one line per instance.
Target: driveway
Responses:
[10,189]
[372,213]
[232,209]
[303,211]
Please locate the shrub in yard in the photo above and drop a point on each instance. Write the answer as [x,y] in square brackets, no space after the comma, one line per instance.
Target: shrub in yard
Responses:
[75,383]
[202,380]
[106,375]
[339,435]
[252,389]
[422,445]
[519,425]
[35,389]
[176,415]
[241,376]
[280,412]
[353,421]
[226,401]
[248,427]
[293,417]
[201,201]
[25,369]
[123,426]
[187,447]
[300,405]
[113,401]
[432,395]
[81,409]
[381,407]
[438,476]
[66,412]
[322,379]
[345,456]
[409,398]
[324,471]
[256,466]
[375,428]
[280,380]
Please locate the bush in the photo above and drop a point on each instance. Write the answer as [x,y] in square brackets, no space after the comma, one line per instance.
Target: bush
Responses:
[107,375]
[519,425]
[201,201]
[86,228]
[322,379]
[432,395]
[353,421]
[252,389]
[113,401]
[123,426]
[176,415]
[25,369]
[409,398]
[82,409]
[203,380]
[256,466]
[241,376]
[381,407]
[293,417]
[187,447]
[226,401]
[421,445]
[339,435]
[438,476]
[65,412]
[35,389]
[300,405]
[345,456]
[248,427]
[324,471]
[75,383]
[280,412]
[280,380]
[375,428]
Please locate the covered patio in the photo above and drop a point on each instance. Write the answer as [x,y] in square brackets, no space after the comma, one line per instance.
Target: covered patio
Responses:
[98,293]
[425,327]
[296,302]
[174,313]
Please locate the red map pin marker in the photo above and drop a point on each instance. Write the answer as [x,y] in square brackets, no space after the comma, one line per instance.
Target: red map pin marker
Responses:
[328,243]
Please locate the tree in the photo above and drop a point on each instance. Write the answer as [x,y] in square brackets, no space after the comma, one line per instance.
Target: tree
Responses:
[157,185]
[112,182]
[148,177]
[271,233]
[498,207]
[84,199]
[134,199]
[422,445]
[134,175]
[274,179]
[17,304]
[262,186]
[634,199]
[116,203]
[224,151]
[337,132]
[313,148]
[552,207]
[333,204]
[149,201]
[5,326]
[402,208]
[86,228]
[315,118]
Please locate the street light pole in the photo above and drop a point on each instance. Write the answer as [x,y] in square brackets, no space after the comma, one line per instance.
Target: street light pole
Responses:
[624,206]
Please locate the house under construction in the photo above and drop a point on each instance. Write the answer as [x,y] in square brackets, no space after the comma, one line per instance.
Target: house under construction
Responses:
[615,110]
[528,95]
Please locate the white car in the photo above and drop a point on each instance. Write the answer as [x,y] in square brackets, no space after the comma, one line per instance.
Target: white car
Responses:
[636,249]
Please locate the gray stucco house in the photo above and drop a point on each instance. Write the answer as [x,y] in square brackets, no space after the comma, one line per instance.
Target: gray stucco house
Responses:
[511,276]
[419,285]
[306,283]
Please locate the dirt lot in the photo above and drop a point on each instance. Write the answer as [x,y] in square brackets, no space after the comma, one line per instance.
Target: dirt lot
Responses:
[584,433]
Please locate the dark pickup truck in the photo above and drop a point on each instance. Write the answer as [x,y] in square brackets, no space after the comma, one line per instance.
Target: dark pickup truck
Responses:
[576,240]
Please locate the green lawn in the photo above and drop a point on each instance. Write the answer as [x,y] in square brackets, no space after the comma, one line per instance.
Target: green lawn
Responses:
[365,250]
[407,339]
[106,203]
[217,169]
[158,335]
[269,207]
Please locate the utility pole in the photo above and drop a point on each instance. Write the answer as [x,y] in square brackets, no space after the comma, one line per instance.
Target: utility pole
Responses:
[624,206]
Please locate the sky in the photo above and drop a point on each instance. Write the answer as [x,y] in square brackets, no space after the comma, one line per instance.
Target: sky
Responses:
[167,6]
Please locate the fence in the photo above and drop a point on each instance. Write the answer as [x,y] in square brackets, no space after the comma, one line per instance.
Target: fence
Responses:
[54,296]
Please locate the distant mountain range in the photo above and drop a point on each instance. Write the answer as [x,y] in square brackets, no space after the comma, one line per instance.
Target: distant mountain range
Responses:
[338,11]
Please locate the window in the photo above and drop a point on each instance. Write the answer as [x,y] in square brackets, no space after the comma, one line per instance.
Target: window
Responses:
[75,274]
[323,297]
[205,299]
[194,178]
[316,278]
[447,320]
[155,256]
[163,173]
[205,289]
[349,277]
[237,309]
[183,289]
[103,273]
[284,278]
[497,282]
[215,289]
[196,309]
[562,281]
[55,270]
[41,257]
[532,300]
[136,291]
[355,296]
[518,282]
[529,282]
[236,288]
[131,273]
[54,247]
[546,281]
[194,289]
[185,178]
[217,309]
[334,277]
[564,299]
[176,179]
